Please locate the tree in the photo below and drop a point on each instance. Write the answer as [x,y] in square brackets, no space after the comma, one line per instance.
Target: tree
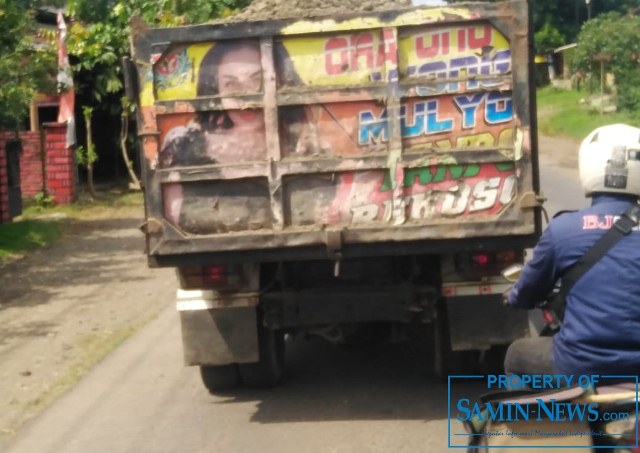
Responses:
[548,39]
[87,157]
[616,38]
[33,4]
[620,6]
[23,70]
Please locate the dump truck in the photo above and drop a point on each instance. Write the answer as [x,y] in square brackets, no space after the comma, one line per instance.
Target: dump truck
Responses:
[316,175]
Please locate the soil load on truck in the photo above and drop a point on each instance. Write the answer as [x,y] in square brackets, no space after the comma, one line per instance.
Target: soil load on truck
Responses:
[285,9]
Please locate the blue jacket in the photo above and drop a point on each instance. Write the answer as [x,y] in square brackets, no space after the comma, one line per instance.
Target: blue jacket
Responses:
[601,329]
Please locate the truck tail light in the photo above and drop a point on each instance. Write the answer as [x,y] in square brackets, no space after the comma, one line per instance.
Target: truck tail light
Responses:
[474,266]
[481,260]
[477,265]
[221,277]
[214,275]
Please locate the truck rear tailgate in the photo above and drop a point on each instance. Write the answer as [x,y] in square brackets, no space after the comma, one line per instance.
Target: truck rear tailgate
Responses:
[412,127]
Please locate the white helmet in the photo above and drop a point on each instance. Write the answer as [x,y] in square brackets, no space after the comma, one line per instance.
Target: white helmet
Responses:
[610,160]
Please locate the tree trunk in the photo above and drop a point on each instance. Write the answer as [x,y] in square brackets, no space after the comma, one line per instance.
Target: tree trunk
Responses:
[90,158]
[124,131]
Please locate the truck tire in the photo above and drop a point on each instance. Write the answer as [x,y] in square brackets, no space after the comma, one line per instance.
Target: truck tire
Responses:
[268,371]
[218,378]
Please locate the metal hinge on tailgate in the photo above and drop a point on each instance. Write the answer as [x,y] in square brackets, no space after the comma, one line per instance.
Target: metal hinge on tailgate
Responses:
[151,226]
[530,200]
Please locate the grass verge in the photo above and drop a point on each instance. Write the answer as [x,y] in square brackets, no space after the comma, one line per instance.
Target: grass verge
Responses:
[20,237]
[564,113]
[39,225]
[86,208]
[93,349]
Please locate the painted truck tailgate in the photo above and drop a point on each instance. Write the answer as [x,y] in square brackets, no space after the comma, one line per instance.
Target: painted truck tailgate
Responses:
[411,126]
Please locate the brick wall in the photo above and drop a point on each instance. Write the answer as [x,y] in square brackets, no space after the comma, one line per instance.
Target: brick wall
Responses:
[4,187]
[31,169]
[59,165]
[56,175]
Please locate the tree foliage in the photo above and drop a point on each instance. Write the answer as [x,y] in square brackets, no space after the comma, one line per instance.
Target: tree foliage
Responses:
[615,38]
[547,39]
[23,72]
[32,4]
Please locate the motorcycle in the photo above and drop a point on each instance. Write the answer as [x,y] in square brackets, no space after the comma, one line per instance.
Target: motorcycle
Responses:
[618,433]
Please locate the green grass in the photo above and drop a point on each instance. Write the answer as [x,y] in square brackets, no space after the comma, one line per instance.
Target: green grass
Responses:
[20,237]
[39,226]
[86,207]
[561,113]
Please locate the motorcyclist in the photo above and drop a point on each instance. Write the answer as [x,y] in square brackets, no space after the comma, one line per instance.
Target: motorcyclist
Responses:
[600,333]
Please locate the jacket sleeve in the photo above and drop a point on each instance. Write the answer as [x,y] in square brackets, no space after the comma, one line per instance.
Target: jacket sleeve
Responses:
[538,276]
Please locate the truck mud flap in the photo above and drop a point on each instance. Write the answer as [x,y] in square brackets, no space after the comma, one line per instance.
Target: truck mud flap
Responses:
[480,322]
[219,336]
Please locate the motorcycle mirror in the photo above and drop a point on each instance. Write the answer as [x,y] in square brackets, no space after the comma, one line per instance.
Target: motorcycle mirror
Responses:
[512,273]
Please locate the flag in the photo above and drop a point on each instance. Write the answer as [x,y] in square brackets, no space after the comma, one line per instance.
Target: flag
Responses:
[65,84]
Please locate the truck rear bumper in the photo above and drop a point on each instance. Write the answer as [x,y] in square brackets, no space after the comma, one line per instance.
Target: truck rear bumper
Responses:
[399,303]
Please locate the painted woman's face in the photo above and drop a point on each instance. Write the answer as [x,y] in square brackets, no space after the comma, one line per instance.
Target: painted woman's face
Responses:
[239,71]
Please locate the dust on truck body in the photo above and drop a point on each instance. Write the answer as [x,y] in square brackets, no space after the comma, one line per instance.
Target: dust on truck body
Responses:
[313,175]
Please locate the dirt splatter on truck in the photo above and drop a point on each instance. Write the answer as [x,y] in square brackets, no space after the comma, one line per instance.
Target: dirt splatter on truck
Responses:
[323,172]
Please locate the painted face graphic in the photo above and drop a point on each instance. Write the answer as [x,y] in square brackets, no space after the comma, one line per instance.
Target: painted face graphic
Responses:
[240,71]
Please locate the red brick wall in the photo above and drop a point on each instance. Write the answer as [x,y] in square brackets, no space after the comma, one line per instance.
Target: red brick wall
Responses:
[4,187]
[56,175]
[59,165]
[30,161]
[31,178]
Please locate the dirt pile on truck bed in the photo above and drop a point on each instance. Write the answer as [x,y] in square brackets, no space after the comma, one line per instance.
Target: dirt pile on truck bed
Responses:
[285,9]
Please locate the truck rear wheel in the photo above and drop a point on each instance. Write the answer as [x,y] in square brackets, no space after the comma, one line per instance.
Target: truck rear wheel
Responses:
[268,371]
[218,378]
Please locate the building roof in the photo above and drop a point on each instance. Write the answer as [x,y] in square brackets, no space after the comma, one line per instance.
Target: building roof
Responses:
[565,47]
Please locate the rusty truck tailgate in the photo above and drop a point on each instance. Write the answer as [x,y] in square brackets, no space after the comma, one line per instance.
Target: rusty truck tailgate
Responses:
[413,126]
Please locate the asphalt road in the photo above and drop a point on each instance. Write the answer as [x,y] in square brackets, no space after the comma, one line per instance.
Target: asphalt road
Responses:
[559,178]
[140,399]
[359,399]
